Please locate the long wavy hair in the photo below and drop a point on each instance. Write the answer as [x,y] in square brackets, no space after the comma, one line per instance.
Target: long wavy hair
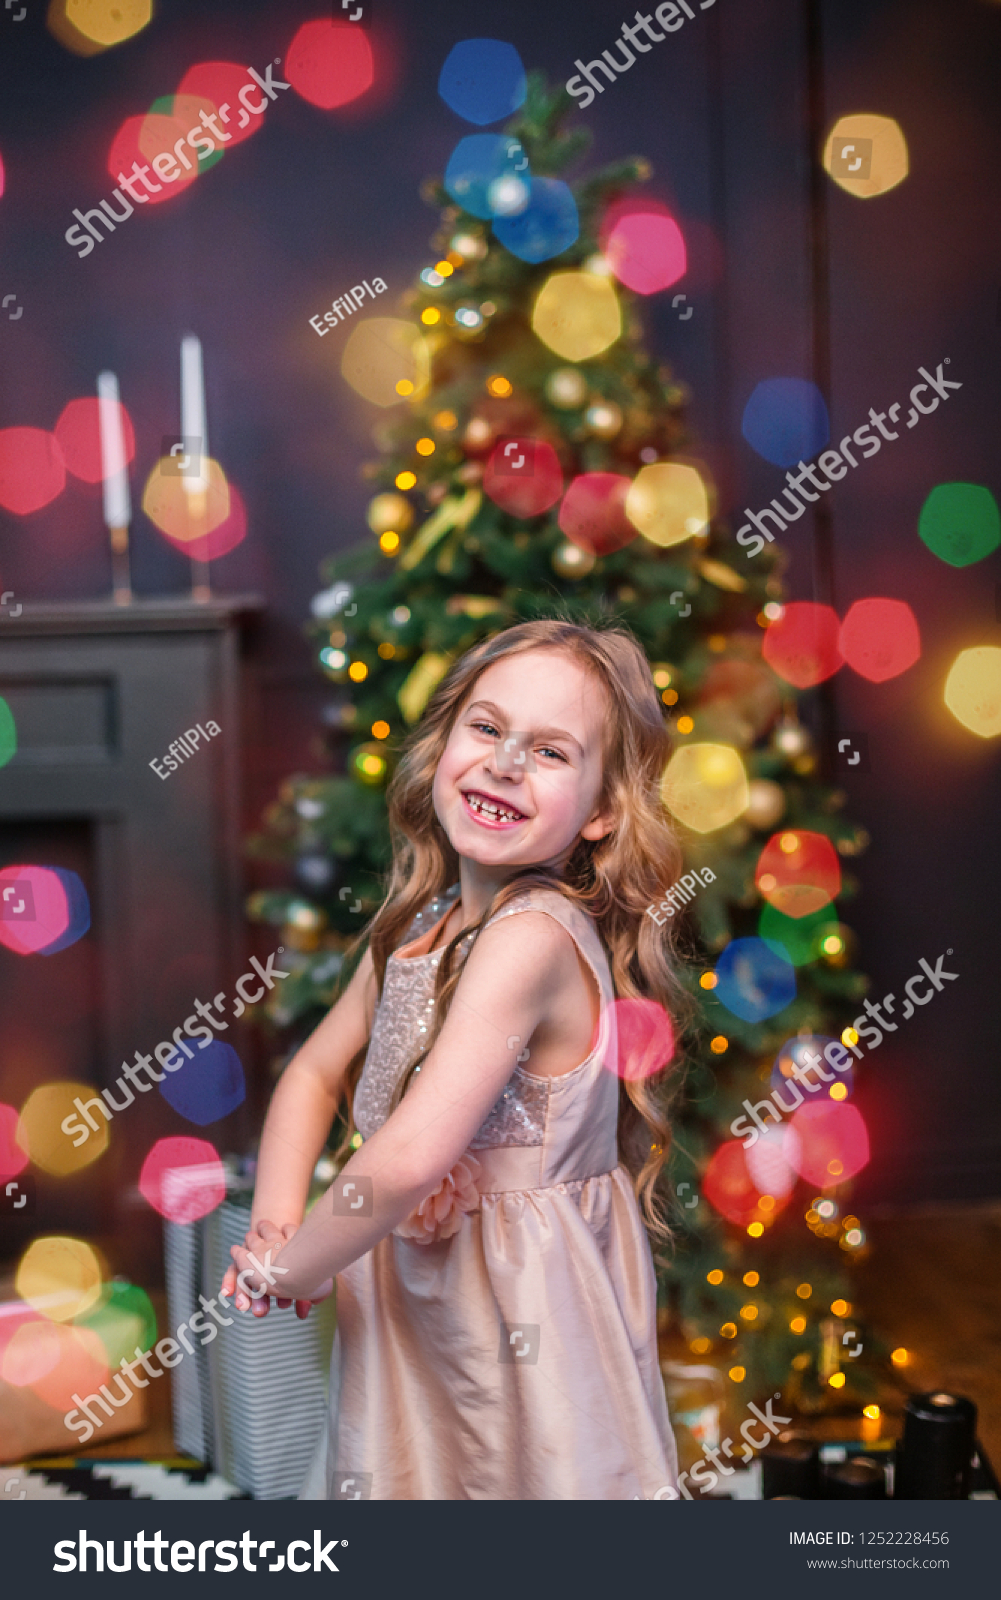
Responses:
[613,879]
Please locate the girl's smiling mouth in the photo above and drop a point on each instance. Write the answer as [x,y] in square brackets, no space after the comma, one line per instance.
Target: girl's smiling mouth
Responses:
[490,812]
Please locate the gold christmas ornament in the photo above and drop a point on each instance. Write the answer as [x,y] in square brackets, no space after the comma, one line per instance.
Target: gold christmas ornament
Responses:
[791,738]
[421,682]
[479,435]
[604,419]
[368,764]
[570,561]
[767,803]
[565,388]
[389,512]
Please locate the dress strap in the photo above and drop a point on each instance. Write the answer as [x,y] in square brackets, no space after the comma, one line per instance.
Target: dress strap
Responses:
[578,925]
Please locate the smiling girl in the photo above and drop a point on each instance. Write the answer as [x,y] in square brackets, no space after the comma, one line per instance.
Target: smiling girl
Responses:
[496,1294]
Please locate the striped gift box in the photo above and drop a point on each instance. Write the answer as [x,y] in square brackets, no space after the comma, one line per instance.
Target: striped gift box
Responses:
[254,1400]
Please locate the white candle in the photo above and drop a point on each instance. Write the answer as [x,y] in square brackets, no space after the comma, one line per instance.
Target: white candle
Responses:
[114,469]
[193,423]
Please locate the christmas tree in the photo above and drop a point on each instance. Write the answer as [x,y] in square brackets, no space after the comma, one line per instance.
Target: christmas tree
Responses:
[533,459]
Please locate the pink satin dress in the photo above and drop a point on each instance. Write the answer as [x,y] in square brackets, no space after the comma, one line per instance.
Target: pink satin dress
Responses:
[514,1356]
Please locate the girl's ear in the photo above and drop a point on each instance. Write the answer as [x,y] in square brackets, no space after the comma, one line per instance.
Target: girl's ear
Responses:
[600,825]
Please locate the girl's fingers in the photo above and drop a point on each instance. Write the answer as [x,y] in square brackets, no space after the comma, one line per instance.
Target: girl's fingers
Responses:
[268,1233]
[302,1308]
[282,1305]
[260,1307]
[289,1229]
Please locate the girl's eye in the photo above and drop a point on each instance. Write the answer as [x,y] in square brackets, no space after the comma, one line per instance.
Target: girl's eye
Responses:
[486,727]
[547,750]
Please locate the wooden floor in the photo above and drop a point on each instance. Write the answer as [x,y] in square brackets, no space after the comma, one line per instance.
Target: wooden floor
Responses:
[932,1284]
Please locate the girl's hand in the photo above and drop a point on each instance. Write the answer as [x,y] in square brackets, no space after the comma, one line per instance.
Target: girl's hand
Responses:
[267,1237]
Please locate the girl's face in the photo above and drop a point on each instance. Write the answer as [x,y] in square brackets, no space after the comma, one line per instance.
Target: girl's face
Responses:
[519,780]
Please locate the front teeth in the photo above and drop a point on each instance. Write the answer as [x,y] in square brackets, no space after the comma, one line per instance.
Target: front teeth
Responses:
[492,810]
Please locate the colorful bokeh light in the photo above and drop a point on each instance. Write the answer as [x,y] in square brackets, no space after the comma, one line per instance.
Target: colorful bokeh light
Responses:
[798,872]
[800,937]
[78,433]
[802,645]
[8,733]
[220,540]
[866,154]
[786,421]
[593,512]
[973,690]
[529,490]
[768,1164]
[44,909]
[13,1156]
[32,469]
[960,523]
[577,315]
[58,1277]
[545,227]
[831,1142]
[728,1186]
[644,1039]
[183,1179]
[207,1087]
[41,1134]
[123,1320]
[185,517]
[380,354]
[218,83]
[150,144]
[483,80]
[55,1360]
[705,786]
[646,251]
[668,502]
[330,63]
[755,979]
[479,168]
[880,638]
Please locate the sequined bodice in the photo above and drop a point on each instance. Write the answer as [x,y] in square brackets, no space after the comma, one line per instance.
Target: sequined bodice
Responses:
[403,1019]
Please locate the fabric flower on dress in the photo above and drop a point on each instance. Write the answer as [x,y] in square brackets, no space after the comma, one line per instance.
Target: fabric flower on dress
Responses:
[440,1215]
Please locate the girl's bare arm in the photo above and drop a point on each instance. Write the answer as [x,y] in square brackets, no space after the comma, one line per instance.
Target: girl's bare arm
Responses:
[514,979]
[305,1102]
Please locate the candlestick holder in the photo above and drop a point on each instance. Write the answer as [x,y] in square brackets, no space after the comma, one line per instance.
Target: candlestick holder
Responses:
[121,574]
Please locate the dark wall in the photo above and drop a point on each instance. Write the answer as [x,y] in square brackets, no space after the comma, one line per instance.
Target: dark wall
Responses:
[316,201]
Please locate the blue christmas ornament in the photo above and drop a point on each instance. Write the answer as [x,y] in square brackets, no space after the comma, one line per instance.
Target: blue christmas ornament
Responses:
[548,225]
[755,979]
[208,1086]
[488,175]
[483,80]
[786,421]
[805,1053]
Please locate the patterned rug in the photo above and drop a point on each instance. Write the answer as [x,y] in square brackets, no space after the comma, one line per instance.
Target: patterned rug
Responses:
[64,1478]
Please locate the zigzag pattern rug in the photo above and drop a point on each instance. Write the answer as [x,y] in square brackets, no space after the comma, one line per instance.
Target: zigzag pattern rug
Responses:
[65,1478]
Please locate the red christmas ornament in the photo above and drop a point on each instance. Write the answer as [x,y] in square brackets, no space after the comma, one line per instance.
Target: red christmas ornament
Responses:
[879,638]
[798,872]
[729,1187]
[802,646]
[829,1143]
[593,512]
[523,476]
